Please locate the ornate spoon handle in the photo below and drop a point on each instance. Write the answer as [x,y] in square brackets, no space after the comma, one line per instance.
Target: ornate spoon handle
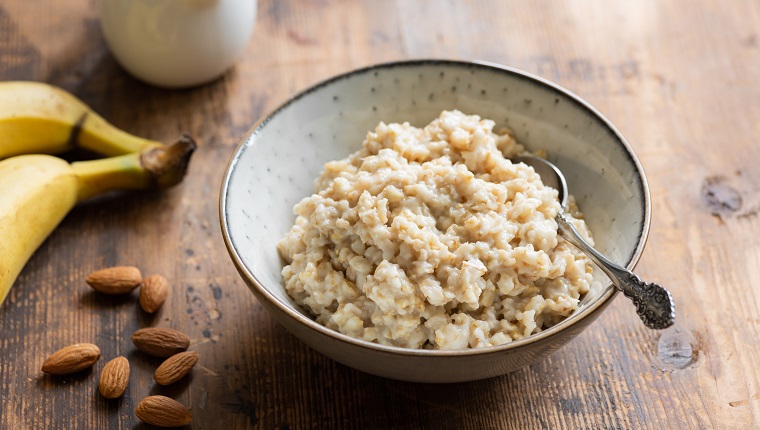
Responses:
[654,304]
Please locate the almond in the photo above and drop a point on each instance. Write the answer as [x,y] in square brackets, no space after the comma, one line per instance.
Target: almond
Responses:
[175,367]
[153,293]
[114,378]
[160,342]
[115,280]
[72,358]
[163,412]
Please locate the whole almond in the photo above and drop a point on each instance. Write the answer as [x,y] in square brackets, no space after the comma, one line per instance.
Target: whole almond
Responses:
[175,367]
[115,280]
[160,342]
[153,292]
[72,358]
[163,412]
[114,378]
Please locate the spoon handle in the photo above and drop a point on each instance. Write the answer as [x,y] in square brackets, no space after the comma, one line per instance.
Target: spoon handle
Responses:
[654,304]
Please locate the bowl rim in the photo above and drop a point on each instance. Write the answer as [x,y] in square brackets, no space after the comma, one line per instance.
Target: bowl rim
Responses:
[253,283]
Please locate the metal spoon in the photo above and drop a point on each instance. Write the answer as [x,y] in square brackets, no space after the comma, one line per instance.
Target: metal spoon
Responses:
[654,304]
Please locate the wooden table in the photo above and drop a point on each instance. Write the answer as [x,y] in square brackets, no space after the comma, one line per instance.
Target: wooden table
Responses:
[678,78]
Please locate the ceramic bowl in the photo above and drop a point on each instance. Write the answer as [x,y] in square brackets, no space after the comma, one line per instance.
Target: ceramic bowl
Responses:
[276,164]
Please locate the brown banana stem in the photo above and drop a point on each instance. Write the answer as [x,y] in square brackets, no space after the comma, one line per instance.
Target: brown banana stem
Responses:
[168,164]
[154,167]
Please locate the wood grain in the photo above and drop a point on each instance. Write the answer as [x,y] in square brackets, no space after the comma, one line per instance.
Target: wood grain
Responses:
[678,78]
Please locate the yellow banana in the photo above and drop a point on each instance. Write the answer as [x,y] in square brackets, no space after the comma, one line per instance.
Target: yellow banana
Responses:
[39,190]
[37,118]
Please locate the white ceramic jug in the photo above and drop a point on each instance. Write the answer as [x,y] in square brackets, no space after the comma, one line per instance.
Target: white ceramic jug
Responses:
[177,43]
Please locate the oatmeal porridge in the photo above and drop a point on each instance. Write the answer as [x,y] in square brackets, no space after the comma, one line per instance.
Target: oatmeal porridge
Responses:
[432,238]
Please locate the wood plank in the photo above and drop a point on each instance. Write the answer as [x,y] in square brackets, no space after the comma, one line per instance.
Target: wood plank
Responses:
[677,78]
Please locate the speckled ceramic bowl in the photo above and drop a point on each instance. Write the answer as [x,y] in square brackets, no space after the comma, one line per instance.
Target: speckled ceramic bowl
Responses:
[276,164]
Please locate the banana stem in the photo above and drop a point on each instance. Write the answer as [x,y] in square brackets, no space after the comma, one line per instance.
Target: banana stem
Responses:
[154,167]
[92,132]
[116,173]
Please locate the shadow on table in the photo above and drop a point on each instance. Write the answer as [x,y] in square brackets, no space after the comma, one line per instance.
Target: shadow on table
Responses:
[54,382]
[97,301]
[286,385]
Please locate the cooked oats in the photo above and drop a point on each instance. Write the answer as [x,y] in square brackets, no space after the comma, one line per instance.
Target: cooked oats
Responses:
[432,238]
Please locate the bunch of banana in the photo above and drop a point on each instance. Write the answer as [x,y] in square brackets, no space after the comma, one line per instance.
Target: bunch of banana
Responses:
[37,191]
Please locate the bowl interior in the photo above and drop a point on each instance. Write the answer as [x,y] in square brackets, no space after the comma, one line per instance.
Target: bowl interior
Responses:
[276,165]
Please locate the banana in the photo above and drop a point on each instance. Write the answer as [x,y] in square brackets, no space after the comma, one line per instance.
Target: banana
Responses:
[39,190]
[37,118]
